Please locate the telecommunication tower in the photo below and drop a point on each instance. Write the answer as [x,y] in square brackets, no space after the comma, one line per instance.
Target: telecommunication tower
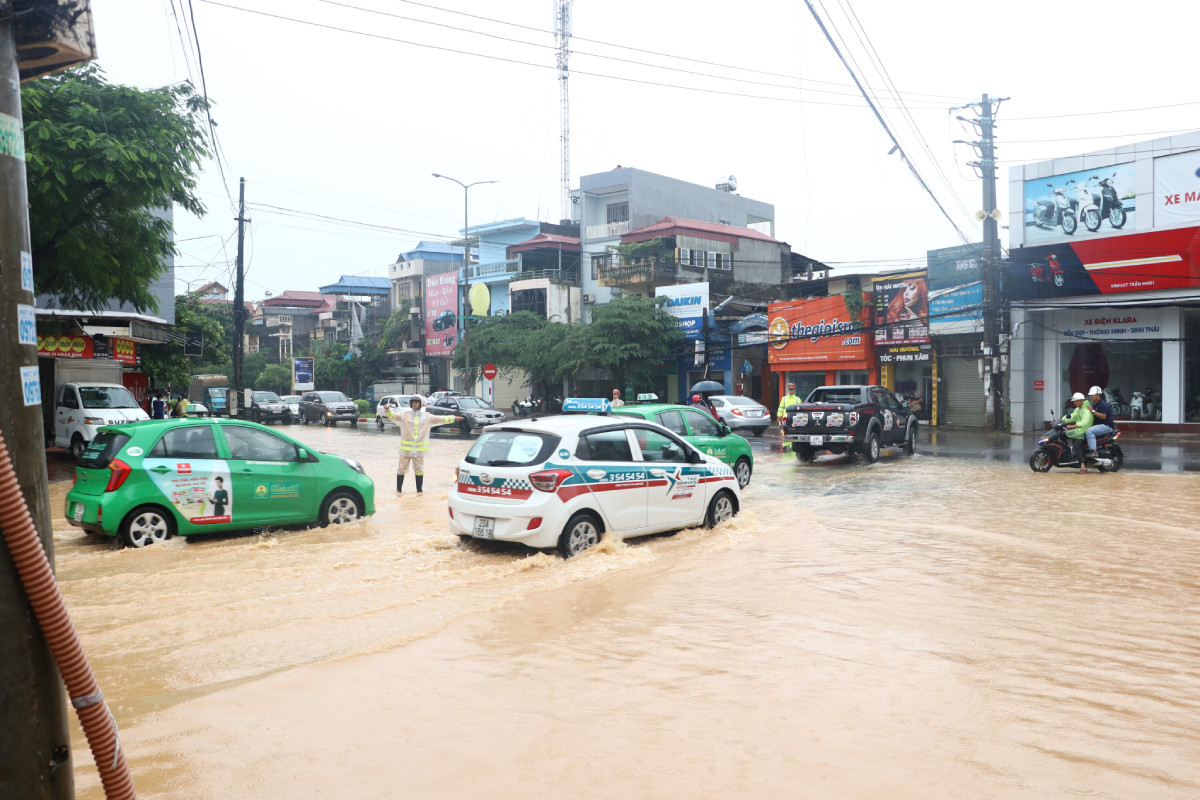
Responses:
[562,37]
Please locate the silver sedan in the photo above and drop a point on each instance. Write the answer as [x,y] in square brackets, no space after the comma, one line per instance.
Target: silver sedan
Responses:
[741,413]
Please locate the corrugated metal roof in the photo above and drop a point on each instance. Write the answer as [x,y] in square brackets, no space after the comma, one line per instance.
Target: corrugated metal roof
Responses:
[675,226]
[358,284]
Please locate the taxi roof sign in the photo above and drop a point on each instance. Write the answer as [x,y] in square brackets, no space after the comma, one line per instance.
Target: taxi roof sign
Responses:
[586,405]
[647,397]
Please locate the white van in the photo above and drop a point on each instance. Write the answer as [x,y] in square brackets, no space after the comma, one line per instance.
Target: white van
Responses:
[81,407]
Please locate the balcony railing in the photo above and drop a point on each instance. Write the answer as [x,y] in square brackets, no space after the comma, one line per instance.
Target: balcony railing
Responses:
[603,231]
[493,269]
[645,272]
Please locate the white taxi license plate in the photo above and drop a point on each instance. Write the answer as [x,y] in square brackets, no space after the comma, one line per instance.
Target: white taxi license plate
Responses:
[816,440]
[78,513]
[485,528]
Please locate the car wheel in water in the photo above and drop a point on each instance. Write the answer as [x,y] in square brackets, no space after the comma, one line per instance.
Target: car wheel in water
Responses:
[78,445]
[910,441]
[146,525]
[722,508]
[464,427]
[804,452]
[379,423]
[743,469]
[340,508]
[353,423]
[871,448]
[581,532]
[1040,461]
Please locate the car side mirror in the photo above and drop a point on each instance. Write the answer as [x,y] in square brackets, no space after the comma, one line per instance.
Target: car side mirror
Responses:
[694,457]
[304,455]
[724,429]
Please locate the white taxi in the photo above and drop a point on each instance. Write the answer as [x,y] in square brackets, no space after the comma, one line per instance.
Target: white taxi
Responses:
[565,481]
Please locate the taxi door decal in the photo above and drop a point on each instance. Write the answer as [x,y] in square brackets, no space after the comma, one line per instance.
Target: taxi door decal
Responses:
[200,489]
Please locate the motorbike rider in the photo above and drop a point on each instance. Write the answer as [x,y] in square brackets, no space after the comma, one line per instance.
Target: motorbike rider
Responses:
[788,399]
[415,424]
[1103,421]
[1079,420]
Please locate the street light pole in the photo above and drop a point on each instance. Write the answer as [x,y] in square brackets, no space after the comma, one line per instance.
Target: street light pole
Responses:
[466,340]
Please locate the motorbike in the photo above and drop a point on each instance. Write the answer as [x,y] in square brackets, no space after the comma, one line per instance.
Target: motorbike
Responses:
[1143,406]
[1117,401]
[1108,205]
[1054,209]
[1086,205]
[1056,449]
[523,408]
[1052,271]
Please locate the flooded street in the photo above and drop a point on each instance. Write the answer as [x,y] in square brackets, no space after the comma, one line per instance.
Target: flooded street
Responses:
[933,627]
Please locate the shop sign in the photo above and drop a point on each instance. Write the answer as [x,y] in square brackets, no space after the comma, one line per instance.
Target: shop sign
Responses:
[949,267]
[1039,385]
[957,310]
[1104,323]
[441,295]
[124,350]
[904,353]
[902,309]
[817,330]
[65,346]
[1042,201]
[687,303]
[1177,189]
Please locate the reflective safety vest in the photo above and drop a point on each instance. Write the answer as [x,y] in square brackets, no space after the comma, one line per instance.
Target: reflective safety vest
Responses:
[788,400]
[415,427]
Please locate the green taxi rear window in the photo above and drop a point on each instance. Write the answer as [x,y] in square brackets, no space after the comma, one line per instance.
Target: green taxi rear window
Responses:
[101,450]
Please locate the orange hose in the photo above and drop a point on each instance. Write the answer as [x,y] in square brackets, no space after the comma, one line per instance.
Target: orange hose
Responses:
[38,579]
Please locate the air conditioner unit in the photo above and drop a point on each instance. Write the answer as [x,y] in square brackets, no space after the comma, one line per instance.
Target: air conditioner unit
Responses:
[589,298]
[51,36]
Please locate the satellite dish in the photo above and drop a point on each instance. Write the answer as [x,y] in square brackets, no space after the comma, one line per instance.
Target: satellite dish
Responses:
[981,215]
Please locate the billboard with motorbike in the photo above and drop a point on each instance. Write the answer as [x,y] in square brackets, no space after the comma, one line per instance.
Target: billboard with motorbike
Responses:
[1091,202]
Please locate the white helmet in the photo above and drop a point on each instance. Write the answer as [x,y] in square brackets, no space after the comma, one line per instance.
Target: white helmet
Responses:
[1077,396]
[416,398]
[1095,390]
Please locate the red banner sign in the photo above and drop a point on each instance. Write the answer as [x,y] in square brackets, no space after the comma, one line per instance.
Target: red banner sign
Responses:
[65,346]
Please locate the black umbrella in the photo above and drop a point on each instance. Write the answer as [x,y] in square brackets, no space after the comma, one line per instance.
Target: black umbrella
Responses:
[710,387]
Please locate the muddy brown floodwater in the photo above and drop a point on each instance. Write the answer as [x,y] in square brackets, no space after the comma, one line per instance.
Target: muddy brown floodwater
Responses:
[926,627]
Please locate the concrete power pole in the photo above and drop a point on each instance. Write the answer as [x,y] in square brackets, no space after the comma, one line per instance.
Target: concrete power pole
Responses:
[34,743]
[239,306]
[989,215]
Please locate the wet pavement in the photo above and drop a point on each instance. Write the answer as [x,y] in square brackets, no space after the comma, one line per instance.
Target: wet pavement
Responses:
[950,625]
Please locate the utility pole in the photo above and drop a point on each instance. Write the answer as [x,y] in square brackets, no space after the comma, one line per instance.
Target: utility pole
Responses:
[239,305]
[35,758]
[989,215]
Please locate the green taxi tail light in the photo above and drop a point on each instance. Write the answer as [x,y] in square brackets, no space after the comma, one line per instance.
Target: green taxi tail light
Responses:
[118,472]
[549,480]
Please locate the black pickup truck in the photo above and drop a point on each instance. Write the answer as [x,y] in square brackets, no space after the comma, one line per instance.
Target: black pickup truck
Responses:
[859,420]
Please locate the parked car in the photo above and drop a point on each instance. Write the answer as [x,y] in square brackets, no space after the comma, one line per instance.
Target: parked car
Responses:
[859,420]
[438,395]
[293,404]
[147,482]
[399,400]
[80,408]
[701,430]
[445,320]
[329,408]
[564,481]
[267,407]
[741,413]
[475,411]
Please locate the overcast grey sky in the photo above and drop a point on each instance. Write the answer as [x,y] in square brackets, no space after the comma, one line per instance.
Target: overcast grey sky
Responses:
[337,128]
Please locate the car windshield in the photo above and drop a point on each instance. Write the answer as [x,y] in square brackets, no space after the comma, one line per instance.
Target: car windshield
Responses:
[291,399]
[472,402]
[216,394]
[106,397]
[333,397]
[509,448]
[266,397]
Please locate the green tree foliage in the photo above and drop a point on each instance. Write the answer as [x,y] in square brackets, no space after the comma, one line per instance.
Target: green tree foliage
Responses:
[166,364]
[275,378]
[330,367]
[99,158]
[628,338]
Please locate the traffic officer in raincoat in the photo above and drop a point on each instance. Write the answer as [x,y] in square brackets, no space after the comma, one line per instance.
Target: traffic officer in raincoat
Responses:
[414,423]
[788,399]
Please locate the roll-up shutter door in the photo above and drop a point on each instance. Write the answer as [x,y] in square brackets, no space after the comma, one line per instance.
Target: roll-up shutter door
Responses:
[962,392]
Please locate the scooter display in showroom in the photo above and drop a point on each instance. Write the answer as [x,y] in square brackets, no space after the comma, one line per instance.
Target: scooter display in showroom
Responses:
[1143,405]
[1054,209]
[1056,449]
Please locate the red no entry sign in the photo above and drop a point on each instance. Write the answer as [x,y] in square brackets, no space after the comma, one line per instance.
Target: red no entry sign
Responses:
[489,371]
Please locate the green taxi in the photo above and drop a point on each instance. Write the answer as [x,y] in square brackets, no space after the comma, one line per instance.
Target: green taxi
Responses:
[148,481]
[700,429]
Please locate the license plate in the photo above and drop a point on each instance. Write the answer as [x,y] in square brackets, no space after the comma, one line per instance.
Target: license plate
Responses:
[485,528]
[816,440]
[78,515]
